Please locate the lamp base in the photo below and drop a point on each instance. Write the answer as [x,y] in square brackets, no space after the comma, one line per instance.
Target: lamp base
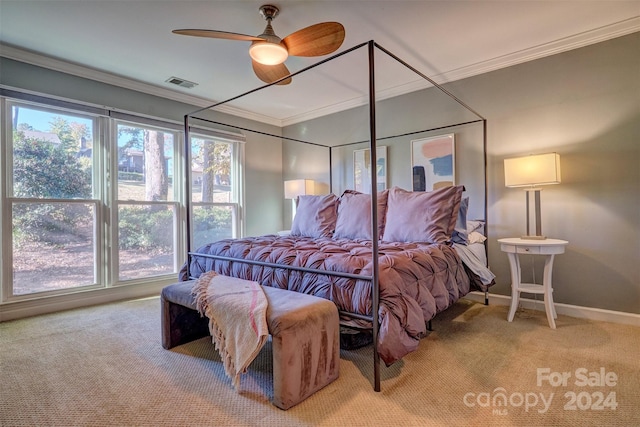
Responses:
[538,235]
[533,237]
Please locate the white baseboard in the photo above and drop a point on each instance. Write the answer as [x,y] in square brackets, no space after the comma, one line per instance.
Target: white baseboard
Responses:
[49,305]
[590,313]
[28,308]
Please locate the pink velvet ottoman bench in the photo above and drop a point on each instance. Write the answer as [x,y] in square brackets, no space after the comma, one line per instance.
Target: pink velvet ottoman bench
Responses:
[304,329]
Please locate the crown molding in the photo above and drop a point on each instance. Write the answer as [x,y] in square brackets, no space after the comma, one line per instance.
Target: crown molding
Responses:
[565,44]
[586,38]
[54,64]
[357,102]
[576,41]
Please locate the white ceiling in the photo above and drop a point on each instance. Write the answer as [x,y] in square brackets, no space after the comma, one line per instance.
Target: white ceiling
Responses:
[129,42]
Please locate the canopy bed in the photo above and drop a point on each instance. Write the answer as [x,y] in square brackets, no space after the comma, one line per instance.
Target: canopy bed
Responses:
[390,260]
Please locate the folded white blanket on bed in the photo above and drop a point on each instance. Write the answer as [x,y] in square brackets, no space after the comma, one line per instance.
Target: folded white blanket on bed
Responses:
[237,312]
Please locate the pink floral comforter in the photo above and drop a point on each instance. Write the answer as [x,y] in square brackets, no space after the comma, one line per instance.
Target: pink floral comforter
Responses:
[417,281]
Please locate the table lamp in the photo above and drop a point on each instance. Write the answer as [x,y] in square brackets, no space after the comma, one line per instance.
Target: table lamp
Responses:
[531,172]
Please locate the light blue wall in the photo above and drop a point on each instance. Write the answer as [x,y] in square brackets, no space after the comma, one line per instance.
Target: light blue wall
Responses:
[416,115]
[583,104]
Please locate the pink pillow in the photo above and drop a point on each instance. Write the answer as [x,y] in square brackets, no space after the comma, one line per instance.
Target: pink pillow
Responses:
[422,216]
[354,215]
[315,216]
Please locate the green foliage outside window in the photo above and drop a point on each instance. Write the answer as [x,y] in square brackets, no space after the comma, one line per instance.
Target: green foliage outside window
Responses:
[210,225]
[43,170]
[139,226]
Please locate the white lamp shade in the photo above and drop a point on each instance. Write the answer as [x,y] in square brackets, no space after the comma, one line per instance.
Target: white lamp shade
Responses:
[298,187]
[540,169]
[268,53]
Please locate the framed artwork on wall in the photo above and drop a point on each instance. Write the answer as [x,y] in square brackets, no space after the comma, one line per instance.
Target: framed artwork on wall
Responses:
[433,162]
[362,169]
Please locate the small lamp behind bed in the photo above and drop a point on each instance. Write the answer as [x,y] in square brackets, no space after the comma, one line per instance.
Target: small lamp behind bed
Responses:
[295,188]
[531,172]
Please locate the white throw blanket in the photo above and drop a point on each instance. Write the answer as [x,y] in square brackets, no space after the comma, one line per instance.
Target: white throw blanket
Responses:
[237,312]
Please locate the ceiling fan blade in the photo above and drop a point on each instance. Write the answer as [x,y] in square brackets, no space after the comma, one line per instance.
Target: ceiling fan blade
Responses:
[316,40]
[216,34]
[271,73]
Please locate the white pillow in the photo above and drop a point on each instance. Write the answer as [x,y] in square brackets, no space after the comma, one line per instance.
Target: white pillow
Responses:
[475,237]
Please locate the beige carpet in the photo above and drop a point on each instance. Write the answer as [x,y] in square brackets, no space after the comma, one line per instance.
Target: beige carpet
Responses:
[104,366]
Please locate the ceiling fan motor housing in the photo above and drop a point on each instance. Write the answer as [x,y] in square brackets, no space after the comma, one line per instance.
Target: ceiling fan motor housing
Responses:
[269,11]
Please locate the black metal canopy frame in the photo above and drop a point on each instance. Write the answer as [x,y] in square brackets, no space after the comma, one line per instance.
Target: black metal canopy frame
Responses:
[375,297]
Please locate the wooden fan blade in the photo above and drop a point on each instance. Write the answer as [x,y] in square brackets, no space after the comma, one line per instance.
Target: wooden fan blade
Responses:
[271,73]
[216,34]
[316,40]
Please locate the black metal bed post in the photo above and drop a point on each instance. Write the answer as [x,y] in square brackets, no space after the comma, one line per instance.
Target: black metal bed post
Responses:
[375,286]
[486,200]
[187,190]
[330,170]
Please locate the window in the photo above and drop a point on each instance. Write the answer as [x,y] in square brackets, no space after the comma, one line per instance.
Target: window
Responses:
[93,198]
[147,208]
[214,189]
[53,200]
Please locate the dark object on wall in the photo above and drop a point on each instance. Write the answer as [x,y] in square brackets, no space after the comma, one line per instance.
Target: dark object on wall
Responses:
[419,183]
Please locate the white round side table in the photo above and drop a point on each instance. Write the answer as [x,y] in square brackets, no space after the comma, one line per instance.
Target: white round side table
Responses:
[515,246]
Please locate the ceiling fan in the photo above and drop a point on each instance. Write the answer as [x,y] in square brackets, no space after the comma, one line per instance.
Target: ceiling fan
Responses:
[268,51]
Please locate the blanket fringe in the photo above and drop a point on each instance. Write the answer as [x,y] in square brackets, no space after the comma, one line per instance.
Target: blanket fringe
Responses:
[217,335]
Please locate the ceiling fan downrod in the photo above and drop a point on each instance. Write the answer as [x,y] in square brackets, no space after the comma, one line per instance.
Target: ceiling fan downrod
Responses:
[269,12]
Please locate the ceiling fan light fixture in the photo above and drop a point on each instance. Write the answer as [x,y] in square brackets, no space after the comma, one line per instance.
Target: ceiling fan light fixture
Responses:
[268,53]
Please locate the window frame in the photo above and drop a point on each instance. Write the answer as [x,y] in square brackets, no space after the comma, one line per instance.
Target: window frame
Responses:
[8,199]
[176,202]
[104,195]
[237,177]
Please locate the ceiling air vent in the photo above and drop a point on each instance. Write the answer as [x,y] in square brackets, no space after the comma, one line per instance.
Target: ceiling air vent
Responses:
[181,82]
